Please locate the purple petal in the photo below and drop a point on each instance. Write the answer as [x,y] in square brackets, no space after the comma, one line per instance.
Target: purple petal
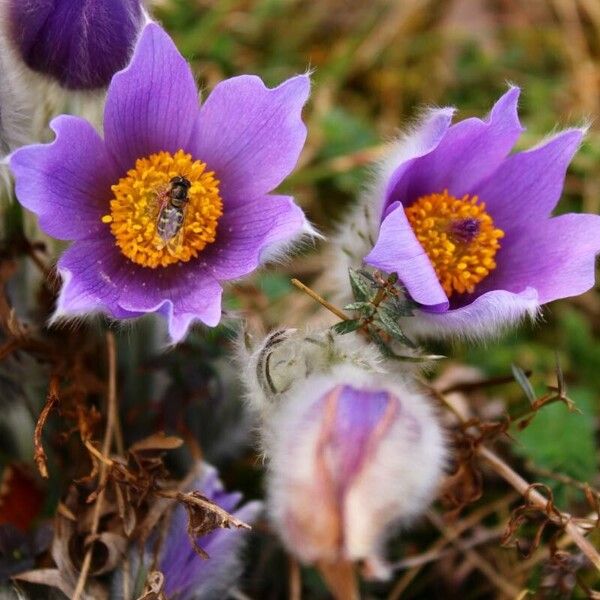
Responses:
[420,142]
[250,135]
[398,251]
[358,416]
[80,44]
[152,104]
[485,316]
[97,277]
[469,152]
[182,294]
[555,256]
[92,274]
[528,185]
[67,182]
[247,231]
[186,575]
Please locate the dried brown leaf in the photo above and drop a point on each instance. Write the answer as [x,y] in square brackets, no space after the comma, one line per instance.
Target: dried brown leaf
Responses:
[52,400]
[50,577]
[126,511]
[205,516]
[156,441]
[154,588]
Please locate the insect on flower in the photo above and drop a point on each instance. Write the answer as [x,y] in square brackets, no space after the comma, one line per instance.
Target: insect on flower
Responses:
[176,198]
[172,201]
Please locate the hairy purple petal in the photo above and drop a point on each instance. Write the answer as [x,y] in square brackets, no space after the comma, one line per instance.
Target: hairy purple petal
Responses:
[484,316]
[152,104]
[182,295]
[250,135]
[469,151]
[93,273]
[359,413]
[80,44]
[528,185]
[556,257]
[422,141]
[67,182]
[186,574]
[397,250]
[247,231]
[98,278]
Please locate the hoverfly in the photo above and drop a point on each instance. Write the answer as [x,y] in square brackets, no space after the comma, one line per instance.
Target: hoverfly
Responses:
[172,201]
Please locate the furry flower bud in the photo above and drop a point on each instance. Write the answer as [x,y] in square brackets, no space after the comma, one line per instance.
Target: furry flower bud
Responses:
[78,44]
[352,450]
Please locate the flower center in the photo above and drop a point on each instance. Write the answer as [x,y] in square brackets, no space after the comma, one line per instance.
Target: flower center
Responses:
[165,210]
[459,238]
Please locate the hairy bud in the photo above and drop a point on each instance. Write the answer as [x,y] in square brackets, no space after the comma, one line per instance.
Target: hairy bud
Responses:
[78,44]
[352,450]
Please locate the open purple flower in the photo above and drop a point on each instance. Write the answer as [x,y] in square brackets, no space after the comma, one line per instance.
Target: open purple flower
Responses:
[175,199]
[468,226]
[78,44]
[187,576]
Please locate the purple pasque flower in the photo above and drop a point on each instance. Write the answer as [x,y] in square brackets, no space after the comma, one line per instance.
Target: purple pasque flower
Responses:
[468,226]
[189,577]
[143,242]
[351,456]
[80,44]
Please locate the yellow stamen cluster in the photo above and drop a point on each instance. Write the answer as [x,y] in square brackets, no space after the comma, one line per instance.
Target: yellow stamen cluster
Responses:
[461,256]
[143,192]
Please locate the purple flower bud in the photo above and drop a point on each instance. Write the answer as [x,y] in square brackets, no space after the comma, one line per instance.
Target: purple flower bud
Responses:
[80,44]
[351,455]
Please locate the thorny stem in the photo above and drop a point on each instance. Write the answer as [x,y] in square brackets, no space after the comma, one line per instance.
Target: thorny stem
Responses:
[111,415]
[330,307]
[52,400]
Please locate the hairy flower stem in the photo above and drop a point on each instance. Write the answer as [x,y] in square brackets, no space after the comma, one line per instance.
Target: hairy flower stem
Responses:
[111,417]
[330,307]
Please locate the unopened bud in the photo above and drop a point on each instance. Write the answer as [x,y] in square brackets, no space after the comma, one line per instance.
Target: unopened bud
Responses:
[352,450]
[78,44]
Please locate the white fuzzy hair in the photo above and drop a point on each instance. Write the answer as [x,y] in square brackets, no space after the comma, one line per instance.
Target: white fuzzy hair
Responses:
[285,375]
[358,232]
[393,488]
[357,235]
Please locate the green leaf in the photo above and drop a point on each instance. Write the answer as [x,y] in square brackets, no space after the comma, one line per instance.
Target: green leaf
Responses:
[347,326]
[563,441]
[401,307]
[360,288]
[522,379]
[389,323]
[365,309]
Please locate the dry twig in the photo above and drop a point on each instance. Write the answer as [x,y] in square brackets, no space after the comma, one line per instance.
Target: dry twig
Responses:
[111,416]
[52,399]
